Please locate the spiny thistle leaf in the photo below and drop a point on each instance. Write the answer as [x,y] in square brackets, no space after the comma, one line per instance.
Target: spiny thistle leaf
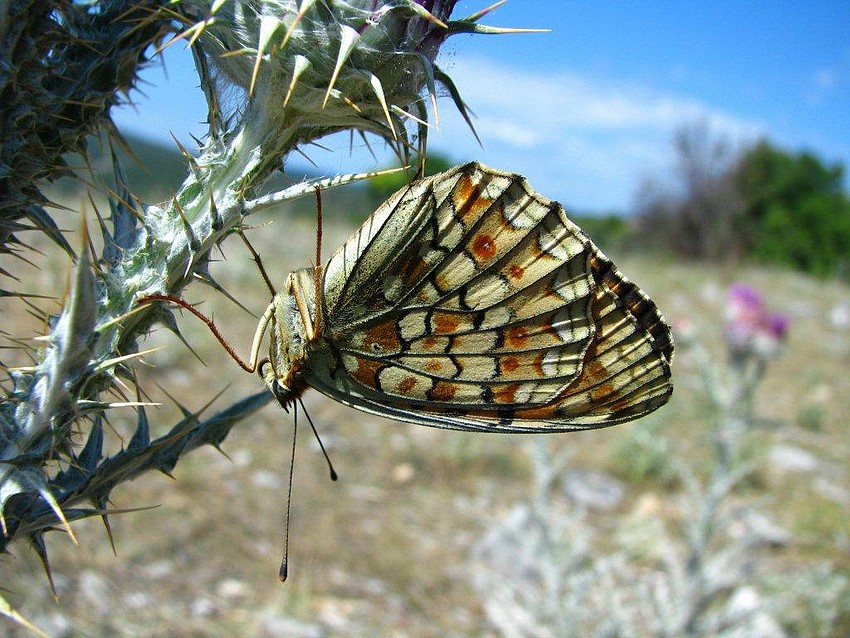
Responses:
[90,478]
[21,471]
[9,612]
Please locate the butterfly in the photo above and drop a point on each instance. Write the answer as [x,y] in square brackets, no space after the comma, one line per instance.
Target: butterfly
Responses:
[469,301]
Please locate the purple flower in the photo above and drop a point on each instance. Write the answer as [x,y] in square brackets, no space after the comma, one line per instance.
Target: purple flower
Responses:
[778,325]
[750,328]
[746,296]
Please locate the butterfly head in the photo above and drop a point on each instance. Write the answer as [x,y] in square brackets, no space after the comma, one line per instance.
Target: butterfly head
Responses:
[288,322]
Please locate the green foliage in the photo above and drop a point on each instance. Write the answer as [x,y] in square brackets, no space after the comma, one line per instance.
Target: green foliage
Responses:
[610,232]
[795,209]
[766,203]
[645,454]
[382,186]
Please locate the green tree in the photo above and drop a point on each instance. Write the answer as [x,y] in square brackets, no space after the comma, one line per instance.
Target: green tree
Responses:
[796,211]
[382,186]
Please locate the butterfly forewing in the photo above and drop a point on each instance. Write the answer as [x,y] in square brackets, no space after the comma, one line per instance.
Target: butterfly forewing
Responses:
[469,301]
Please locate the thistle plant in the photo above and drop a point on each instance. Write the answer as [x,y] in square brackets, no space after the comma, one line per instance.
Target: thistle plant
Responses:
[303,70]
[535,570]
[753,336]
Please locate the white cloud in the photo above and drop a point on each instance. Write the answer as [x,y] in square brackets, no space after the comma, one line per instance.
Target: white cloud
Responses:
[508,131]
[824,79]
[582,140]
[822,84]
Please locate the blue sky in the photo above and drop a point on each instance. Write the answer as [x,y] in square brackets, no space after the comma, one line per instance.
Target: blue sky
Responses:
[588,110]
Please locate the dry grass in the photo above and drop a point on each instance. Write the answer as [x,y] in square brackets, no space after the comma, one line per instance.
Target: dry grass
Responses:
[385,551]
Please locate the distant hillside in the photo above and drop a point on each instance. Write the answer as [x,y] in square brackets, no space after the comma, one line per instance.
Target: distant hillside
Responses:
[154,171]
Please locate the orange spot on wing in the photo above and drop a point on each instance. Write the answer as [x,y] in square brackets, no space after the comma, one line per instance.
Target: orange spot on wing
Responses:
[509,364]
[542,413]
[367,372]
[594,371]
[537,364]
[415,271]
[484,247]
[443,283]
[383,335]
[445,323]
[602,392]
[515,271]
[506,394]
[443,391]
[407,384]
[434,365]
[517,336]
[468,201]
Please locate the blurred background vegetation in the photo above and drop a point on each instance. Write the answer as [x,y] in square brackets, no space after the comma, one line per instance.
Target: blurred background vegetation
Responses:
[761,203]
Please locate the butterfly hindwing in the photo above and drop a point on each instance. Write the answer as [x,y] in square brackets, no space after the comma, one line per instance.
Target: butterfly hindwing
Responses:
[467,300]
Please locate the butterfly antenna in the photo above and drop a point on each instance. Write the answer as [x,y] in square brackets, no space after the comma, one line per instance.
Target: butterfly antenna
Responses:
[259,262]
[334,475]
[317,269]
[284,563]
